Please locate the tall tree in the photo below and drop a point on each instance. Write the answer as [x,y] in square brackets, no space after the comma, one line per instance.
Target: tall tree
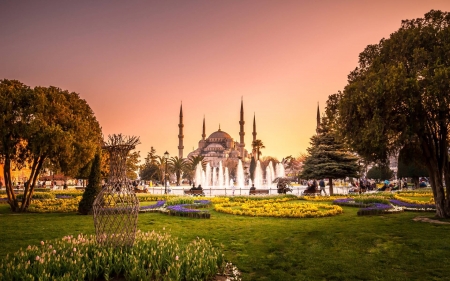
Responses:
[399,94]
[178,166]
[252,168]
[133,164]
[328,158]
[149,170]
[93,188]
[257,146]
[40,124]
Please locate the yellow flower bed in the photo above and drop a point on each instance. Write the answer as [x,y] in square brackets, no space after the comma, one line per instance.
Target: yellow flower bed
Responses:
[322,198]
[278,208]
[55,205]
[416,194]
[396,196]
[218,200]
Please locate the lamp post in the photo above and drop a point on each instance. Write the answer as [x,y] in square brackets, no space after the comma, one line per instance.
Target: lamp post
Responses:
[166,156]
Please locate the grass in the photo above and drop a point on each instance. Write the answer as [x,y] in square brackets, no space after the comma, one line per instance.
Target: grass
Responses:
[344,247]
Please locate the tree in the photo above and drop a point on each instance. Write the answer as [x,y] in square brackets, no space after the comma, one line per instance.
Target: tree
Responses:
[44,124]
[399,94]
[132,164]
[292,165]
[149,170]
[93,188]
[191,165]
[257,146]
[380,172]
[252,168]
[328,158]
[409,166]
[178,166]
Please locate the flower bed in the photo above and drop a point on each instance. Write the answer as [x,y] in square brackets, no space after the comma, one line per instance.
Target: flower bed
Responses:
[369,205]
[190,210]
[374,209]
[413,206]
[278,208]
[55,205]
[154,256]
[153,207]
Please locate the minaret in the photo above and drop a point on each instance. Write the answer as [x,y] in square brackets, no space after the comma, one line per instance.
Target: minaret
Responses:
[180,134]
[241,132]
[254,127]
[204,134]
[318,119]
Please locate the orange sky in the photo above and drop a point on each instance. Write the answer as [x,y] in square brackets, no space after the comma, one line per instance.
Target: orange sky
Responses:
[134,62]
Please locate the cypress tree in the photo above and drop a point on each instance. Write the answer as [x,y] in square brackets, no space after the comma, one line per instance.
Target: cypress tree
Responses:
[92,189]
[252,168]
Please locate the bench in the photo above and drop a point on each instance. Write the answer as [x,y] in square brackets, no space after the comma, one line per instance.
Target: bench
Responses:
[307,192]
[259,192]
[193,192]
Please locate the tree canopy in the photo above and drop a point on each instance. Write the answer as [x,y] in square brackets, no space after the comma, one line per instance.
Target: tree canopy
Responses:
[44,123]
[399,94]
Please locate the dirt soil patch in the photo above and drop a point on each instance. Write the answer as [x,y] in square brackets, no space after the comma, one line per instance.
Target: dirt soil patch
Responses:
[425,219]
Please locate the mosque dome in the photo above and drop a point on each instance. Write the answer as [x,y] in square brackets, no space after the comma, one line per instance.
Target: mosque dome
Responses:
[219,135]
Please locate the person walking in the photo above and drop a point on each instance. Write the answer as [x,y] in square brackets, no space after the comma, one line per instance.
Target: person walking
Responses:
[322,187]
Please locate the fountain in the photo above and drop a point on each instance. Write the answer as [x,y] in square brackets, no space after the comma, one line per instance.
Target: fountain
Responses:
[214,177]
[240,179]
[207,175]
[258,176]
[226,177]
[221,178]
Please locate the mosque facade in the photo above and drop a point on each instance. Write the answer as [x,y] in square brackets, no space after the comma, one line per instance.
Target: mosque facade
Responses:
[219,146]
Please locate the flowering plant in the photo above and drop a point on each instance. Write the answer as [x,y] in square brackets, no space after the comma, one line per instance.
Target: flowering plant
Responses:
[154,256]
[278,208]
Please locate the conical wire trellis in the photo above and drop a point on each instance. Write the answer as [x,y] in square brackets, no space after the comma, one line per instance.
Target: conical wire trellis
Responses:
[116,207]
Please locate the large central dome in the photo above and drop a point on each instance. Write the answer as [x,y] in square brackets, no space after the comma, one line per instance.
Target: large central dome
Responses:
[219,135]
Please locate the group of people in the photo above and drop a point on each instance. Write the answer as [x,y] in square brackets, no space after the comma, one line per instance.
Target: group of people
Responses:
[196,188]
[312,186]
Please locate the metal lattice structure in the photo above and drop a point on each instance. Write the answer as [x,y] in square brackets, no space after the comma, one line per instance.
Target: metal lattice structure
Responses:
[116,207]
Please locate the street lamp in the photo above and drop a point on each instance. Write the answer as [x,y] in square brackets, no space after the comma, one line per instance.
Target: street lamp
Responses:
[166,156]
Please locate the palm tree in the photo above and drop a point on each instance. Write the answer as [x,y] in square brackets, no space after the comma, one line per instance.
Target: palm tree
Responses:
[257,146]
[192,163]
[178,166]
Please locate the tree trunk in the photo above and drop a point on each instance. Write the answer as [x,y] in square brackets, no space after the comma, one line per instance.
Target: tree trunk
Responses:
[416,182]
[330,180]
[12,200]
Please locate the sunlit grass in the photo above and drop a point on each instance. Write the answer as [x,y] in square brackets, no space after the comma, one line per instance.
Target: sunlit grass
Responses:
[342,247]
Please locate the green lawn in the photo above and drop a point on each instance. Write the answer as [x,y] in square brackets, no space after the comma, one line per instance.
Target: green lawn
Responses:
[344,247]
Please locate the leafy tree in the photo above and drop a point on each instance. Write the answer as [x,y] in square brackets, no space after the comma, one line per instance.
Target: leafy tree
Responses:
[149,170]
[178,166]
[257,146]
[292,165]
[409,166]
[132,164]
[44,124]
[399,94]
[380,172]
[93,188]
[328,158]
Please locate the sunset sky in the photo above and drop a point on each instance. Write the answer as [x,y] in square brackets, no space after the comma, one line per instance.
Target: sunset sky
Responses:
[134,62]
